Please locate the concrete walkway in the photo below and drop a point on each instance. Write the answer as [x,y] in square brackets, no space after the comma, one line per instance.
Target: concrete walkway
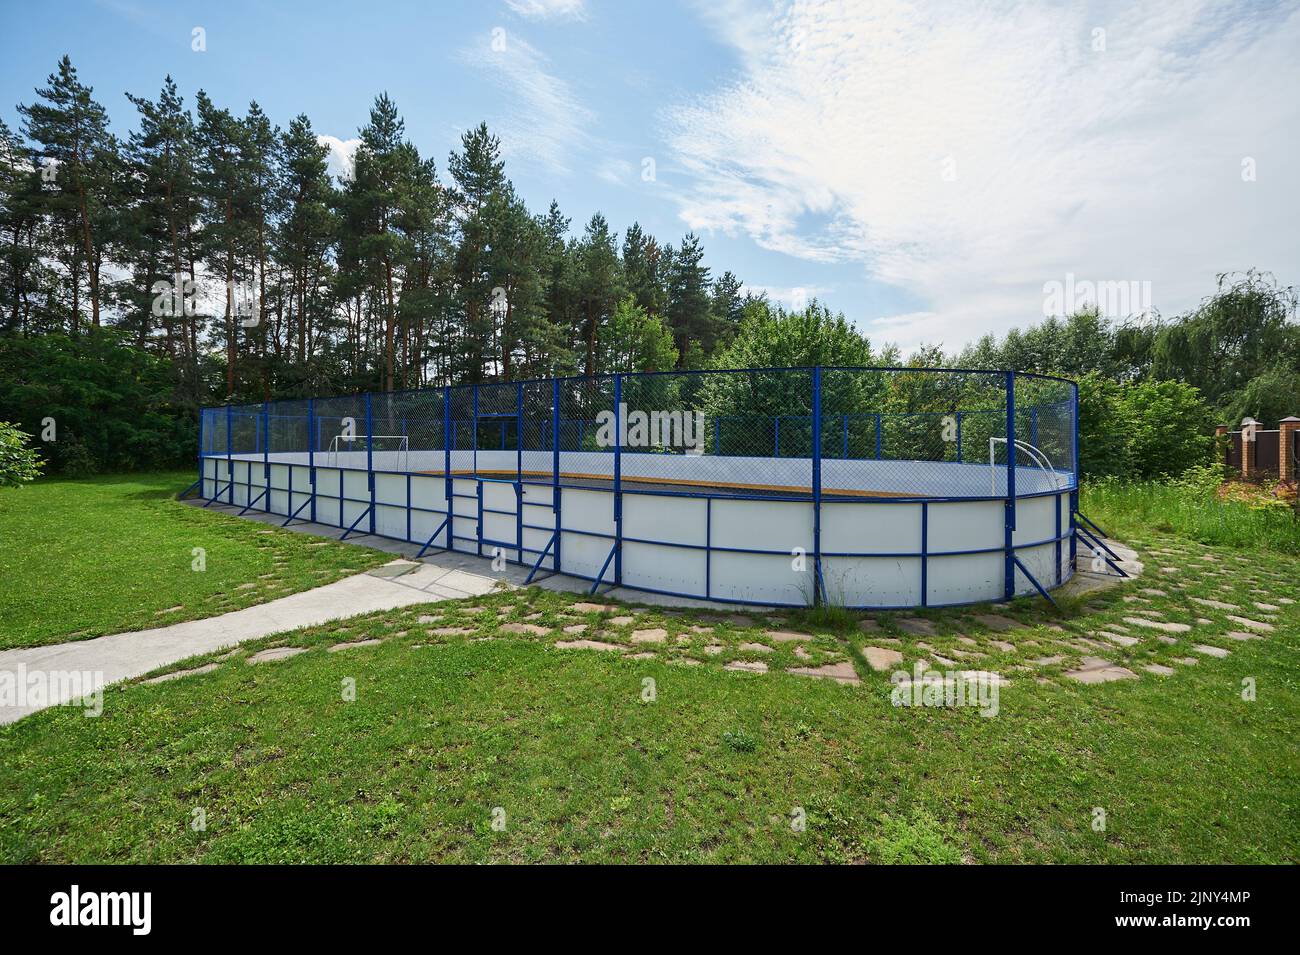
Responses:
[123,656]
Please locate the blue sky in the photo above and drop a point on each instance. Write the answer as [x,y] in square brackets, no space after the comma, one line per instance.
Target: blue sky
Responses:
[926,168]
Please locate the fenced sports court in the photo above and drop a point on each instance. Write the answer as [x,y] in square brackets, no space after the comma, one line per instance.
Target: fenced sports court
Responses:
[866,487]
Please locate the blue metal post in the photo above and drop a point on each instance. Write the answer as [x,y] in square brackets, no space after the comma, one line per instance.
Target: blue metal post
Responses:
[519,469]
[817,483]
[925,552]
[618,480]
[447,439]
[202,415]
[1009,517]
[370,463]
[555,466]
[311,453]
[266,455]
[230,447]
[1074,493]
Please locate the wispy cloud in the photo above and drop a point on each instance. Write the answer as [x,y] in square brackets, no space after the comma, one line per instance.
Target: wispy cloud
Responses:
[971,154]
[542,121]
[549,9]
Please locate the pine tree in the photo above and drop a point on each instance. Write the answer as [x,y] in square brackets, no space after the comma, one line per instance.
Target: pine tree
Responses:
[689,311]
[71,131]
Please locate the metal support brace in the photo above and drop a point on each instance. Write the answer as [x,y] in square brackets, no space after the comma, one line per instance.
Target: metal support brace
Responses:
[600,577]
[1009,512]
[429,542]
[354,524]
[1034,580]
[538,563]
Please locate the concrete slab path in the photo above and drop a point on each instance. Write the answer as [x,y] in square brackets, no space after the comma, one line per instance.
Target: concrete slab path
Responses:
[123,656]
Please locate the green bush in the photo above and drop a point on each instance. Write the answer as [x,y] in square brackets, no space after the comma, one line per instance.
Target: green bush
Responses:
[1143,429]
[112,405]
[18,462]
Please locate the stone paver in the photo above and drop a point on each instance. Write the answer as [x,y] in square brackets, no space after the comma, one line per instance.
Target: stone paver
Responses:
[576,628]
[1003,646]
[276,653]
[355,643]
[531,629]
[786,636]
[756,648]
[451,631]
[916,626]
[1120,639]
[1242,635]
[652,635]
[176,675]
[1210,651]
[1216,604]
[620,621]
[1048,661]
[882,658]
[1097,670]
[1168,626]
[839,672]
[1252,624]
[584,607]
[586,645]
[1159,669]
[751,666]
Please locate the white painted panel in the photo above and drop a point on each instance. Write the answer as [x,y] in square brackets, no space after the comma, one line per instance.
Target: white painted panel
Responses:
[964,578]
[499,497]
[537,516]
[429,493]
[872,581]
[423,525]
[1035,520]
[280,476]
[762,525]
[356,486]
[966,525]
[390,489]
[660,518]
[583,510]
[499,527]
[674,569]
[537,494]
[327,482]
[390,521]
[583,555]
[279,502]
[861,528]
[760,578]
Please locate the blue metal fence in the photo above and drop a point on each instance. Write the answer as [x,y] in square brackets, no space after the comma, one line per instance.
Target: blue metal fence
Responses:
[809,434]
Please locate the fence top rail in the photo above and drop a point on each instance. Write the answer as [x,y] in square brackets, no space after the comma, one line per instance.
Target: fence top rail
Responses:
[609,376]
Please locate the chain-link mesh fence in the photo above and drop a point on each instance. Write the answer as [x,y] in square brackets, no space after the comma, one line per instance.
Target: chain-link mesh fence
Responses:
[882,432]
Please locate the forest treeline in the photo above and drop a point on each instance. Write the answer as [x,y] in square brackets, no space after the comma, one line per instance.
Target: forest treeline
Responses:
[210,256]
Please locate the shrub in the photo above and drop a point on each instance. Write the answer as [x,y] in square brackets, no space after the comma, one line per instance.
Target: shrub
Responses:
[18,462]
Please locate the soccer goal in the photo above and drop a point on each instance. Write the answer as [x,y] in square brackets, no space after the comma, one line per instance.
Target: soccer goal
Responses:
[397,445]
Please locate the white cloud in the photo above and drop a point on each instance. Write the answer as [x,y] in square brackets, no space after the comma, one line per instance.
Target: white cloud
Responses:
[547,9]
[1118,164]
[341,155]
[796,298]
[543,121]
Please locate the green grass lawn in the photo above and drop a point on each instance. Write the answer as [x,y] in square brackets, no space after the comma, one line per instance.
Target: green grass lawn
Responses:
[457,714]
[85,558]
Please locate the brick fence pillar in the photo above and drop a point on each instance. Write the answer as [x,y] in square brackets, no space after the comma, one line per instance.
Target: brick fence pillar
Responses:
[1287,466]
[1248,447]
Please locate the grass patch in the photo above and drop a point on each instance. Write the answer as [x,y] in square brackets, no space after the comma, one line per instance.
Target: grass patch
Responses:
[460,718]
[1193,507]
[108,554]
